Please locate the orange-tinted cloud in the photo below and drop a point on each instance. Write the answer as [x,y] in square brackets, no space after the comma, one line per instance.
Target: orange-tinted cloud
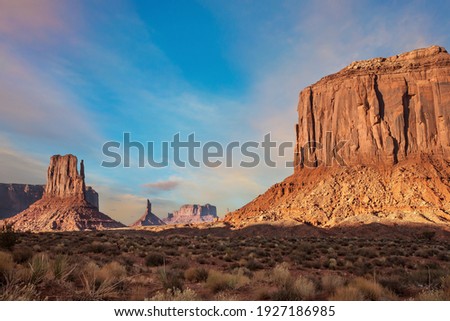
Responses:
[30,19]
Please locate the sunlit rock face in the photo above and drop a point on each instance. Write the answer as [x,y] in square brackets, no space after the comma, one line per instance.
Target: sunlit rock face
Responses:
[373,145]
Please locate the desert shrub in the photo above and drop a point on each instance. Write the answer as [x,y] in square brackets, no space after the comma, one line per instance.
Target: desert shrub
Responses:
[39,267]
[103,247]
[22,254]
[304,288]
[154,259]
[95,288]
[427,277]
[280,275]
[196,274]
[368,252]
[362,289]
[284,293]
[254,265]
[112,272]
[218,281]
[442,293]
[8,237]
[331,282]
[6,267]
[395,283]
[347,293]
[171,280]
[371,290]
[176,295]
[332,263]
[294,290]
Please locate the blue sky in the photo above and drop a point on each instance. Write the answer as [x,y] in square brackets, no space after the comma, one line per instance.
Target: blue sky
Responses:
[77,74]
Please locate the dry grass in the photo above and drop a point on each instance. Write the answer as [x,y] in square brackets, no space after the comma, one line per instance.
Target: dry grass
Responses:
[219,281]
[331,282]
[100,283]
[363,289]
[6,267]
[177,295]
[348,293]
[196,274]
[304,288]
[281,275]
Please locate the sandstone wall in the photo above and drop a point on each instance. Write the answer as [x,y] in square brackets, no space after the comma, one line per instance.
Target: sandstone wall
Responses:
[384,109]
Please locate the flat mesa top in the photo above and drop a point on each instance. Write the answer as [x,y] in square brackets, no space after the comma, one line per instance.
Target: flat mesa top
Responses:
[434,56]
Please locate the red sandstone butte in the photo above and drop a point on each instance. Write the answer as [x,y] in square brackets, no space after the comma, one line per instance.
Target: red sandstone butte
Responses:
[394,116]
[63,206]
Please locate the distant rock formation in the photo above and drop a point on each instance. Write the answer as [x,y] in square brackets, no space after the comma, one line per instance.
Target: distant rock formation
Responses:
[148,219]
[394,116]
[64,206]
[14,198]
[192,213]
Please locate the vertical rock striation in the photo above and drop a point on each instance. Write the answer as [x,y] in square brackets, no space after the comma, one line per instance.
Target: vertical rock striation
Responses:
[384,109]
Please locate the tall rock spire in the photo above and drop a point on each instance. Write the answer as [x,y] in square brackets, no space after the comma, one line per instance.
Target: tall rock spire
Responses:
[63,179]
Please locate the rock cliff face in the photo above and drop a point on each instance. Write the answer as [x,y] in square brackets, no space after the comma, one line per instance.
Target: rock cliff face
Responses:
[64,206]
[14,198]
[373,145]
[148,219]
[192,213]
[383,109]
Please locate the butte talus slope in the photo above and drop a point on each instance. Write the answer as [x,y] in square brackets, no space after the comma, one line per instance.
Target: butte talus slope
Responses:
[63,207]
[15,198]
[394,116]
[149,218]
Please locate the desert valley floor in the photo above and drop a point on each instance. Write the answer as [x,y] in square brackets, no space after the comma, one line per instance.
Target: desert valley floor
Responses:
[372,262]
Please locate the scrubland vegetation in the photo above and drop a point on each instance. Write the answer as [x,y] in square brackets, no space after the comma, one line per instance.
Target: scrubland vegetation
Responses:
[130,265]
